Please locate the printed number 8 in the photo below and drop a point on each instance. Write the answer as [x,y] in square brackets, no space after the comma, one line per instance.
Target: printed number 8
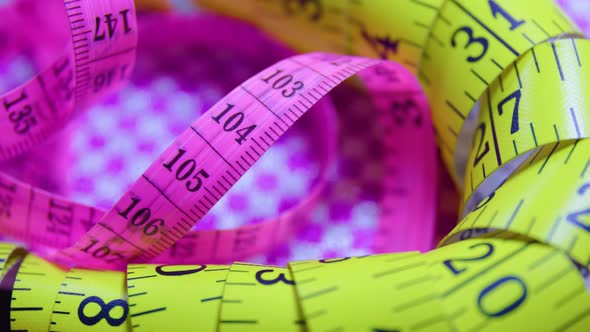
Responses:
[105,311]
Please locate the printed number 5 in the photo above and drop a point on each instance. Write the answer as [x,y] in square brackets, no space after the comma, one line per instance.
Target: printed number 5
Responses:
[472,40]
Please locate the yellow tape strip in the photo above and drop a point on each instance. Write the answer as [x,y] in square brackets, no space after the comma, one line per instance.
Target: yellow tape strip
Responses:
[187,295]
[39,281]
[259,298]
[389,292]
[7,257]
[538,201]
[516,116]
[470,45]
[91,301]
[463,45]
[372,29]
[501,285]
[502,280]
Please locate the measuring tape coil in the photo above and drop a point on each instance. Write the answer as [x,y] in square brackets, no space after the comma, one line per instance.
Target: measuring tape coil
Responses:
[496,254]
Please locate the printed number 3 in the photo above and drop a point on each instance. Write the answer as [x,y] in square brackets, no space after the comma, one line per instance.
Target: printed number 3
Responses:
[281,277]
[472,40]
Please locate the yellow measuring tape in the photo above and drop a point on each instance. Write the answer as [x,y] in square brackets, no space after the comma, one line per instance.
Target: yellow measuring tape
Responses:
[259,298]
[32,309]
[391,292]
[488,282]
[516,261]
[9,255]
[507,285]
[87,298]
[190,293]
[547,199]
[463,45]
[517,117]
[470,44]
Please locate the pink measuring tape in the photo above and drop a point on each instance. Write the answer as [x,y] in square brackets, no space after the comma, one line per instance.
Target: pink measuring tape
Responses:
[166,202]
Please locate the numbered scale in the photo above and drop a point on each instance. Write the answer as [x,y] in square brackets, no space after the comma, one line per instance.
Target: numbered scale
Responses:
[517,260]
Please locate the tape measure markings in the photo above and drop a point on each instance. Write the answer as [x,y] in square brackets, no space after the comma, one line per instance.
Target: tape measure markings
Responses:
[479,275]
[91,54]
[259,297]
[149,284]
[45,104]
[563,226]
[325,293]
[466,281]
[498,262]
[82,289]
[10,259]
[375,37]
[404,113]
[478,77]
[524,103]
[205,140]
[93,247]
[63,225]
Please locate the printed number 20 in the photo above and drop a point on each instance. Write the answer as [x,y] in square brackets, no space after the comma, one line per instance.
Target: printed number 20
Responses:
[449,262]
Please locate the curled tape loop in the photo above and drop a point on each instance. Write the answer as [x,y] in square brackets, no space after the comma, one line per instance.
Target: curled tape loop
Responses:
[518,259]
